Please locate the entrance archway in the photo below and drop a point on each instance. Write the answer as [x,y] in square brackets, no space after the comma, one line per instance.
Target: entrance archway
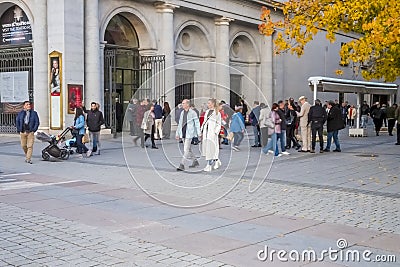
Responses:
[126,73]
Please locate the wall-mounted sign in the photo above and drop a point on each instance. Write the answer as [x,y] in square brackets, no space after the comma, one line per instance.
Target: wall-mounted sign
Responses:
[15,27]
[75,94]
[55,90]
[14,87]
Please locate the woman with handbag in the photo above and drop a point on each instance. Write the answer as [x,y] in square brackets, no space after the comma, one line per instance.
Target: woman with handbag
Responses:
[148,126]
[275,120]
[78,130]
[210,136]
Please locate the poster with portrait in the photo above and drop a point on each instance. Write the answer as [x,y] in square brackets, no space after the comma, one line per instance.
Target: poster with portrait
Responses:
[55,90]
[75,93]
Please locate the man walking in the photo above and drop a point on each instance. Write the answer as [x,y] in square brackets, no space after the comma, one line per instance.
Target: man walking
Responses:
[188,127]
[317,118]
[334,124]
[158,120]
[305,129]
[27,124]
[255,116]
[94,121]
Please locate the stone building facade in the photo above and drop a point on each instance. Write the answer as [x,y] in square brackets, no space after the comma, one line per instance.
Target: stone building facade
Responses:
[111,50]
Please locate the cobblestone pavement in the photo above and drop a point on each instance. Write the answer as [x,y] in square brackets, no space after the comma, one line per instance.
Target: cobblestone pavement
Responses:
[36,239]
[88,212]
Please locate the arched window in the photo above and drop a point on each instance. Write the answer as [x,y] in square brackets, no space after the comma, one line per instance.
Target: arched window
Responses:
[121,32]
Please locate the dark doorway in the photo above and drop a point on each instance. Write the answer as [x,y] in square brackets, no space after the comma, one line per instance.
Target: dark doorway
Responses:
[184,88]
[236,90]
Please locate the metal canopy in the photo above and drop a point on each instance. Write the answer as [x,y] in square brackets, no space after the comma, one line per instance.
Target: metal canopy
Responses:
[326,84]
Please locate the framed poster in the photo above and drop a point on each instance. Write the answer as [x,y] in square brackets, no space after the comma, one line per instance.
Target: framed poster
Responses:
[75,93]
[55,90]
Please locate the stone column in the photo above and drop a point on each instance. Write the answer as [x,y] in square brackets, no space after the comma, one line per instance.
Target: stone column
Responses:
[222,69]
[101,101]
[92,86]
[40,63]
[167,46]
[267,70]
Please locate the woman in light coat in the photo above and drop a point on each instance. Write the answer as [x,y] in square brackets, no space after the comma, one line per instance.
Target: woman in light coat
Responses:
[271,147]
[351,115]
[210,136]
[148,126]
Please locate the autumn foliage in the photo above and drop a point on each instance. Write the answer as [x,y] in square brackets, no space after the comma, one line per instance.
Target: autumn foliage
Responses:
[375,50]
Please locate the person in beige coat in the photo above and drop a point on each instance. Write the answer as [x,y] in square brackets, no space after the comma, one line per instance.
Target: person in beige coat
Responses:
[210,136]
[305,129]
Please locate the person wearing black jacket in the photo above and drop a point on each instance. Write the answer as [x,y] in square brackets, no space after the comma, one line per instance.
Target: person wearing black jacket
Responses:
[94,121]
[334,124]
[283,113]
[317,117]
[291,120]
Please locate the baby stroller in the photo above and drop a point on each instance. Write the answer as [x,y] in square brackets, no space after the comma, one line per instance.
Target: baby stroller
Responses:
[53,149]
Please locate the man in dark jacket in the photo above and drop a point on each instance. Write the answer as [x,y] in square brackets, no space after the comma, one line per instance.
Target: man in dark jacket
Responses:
[94,121]
[334,124]
[254,116]
[27,124]
[316,118]
[158,120]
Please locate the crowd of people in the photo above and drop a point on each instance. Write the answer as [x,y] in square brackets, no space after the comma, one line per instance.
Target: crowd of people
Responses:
[276,128]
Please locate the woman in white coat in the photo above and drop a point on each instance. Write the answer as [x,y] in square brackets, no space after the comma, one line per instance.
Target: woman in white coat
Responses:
[210,136]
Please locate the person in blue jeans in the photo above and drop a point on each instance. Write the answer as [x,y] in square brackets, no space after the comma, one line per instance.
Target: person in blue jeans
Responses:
[283,113]
[237,127]
[255,116]
[334,124]
[273,132]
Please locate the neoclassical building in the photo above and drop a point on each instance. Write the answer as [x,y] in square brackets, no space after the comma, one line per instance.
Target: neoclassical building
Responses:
[59,52]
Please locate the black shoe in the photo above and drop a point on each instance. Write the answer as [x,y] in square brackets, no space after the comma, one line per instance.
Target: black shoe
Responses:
[391,134]
[254,146]
[180,168]
[304,151]
[397,144]
[337,150]
[298,147]
[326,150]
[259,145]
[194,164]
[154,147]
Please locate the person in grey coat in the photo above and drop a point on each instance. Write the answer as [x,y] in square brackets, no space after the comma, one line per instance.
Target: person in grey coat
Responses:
[188,127]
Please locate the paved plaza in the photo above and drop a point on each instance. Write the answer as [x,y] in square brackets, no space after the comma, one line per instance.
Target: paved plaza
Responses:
[130,207]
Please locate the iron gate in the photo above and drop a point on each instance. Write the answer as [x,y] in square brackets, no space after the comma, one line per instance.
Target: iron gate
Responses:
[13,60]
[146,72]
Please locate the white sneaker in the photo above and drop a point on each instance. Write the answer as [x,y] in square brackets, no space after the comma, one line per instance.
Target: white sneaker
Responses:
[235,148]
[217,164]
[207,168]
[279,155]
[270,152]
[89,153]
[285,153]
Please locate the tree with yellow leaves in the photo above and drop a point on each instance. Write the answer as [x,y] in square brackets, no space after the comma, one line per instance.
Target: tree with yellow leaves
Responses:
[376,53]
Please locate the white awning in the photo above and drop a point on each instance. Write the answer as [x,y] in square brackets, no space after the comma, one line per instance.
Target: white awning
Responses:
[326,84]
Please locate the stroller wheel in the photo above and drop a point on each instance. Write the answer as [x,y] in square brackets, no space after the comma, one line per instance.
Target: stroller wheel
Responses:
[45,155]
[64,154]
